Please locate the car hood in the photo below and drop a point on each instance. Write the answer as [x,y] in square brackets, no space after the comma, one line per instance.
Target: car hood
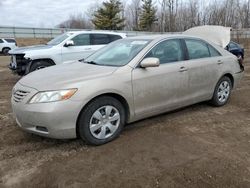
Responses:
[23,50]
[65,76]
[217,34]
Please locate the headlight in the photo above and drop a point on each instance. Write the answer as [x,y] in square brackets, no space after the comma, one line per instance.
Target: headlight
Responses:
[52,96]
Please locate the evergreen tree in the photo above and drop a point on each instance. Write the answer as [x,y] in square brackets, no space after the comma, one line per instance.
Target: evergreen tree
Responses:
[148,15]
[108,17]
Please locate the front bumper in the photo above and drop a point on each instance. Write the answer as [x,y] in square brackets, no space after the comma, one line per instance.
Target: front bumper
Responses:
[18,64]
[54,120]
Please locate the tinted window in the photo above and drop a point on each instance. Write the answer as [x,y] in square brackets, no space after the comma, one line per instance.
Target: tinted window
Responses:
[197,49]
[10,40]
[167,51]
[81,40]
[213,51]
[114,37]
[233,45]
[99,39]
[1,41]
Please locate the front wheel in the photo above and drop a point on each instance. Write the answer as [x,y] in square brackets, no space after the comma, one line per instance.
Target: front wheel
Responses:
[101,121]
[222,92]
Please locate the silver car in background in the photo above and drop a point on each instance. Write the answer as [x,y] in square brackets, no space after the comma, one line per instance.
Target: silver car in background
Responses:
[128,80]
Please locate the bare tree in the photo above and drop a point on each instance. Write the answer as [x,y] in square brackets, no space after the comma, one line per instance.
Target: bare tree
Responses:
[176,15]
[78,21]
[132,12]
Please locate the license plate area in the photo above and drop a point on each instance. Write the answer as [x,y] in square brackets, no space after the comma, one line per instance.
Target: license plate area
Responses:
[13,63]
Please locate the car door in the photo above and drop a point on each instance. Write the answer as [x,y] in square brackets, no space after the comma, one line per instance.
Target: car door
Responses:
[158,89]
[203,69]
[81,48]
[99,40]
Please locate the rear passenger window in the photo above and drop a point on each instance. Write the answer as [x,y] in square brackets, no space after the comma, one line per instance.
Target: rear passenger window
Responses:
[99,39]
[81,40]
[1,41]
[10,40]
[197,49]
[167,51]
[213,51]
[114,37]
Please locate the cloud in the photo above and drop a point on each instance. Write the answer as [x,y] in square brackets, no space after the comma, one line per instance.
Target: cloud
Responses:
[37,13]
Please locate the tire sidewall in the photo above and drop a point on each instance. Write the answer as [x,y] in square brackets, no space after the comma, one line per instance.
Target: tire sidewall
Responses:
[215,99]
[86,114]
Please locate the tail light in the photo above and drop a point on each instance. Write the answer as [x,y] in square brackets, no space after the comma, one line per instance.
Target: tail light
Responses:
[240,61]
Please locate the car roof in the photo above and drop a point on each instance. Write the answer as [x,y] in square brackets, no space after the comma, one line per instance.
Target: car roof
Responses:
[97,32]
[8,38]
[162,36]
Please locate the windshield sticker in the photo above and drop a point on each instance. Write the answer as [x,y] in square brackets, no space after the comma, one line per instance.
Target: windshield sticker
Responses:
[139,42]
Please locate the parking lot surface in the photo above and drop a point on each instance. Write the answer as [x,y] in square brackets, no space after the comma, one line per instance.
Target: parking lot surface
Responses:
[198,146]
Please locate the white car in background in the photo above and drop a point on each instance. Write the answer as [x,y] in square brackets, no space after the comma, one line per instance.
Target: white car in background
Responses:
[70,46]
[7,44]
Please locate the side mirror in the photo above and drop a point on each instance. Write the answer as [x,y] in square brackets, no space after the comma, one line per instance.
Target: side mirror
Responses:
[150,62]
[69,43]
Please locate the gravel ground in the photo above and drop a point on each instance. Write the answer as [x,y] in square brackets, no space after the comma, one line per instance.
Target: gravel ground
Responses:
[198,146]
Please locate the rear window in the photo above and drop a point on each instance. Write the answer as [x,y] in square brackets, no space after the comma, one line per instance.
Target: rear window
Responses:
[99,39]
[10,40]
[232,45]
[114,37]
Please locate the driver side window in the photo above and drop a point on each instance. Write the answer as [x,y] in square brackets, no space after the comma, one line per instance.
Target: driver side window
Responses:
[81,40]
[167,51]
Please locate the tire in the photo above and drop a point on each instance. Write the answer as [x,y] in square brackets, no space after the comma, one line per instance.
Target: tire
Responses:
[222,92]
[103,128]
[6,51]
[39,65]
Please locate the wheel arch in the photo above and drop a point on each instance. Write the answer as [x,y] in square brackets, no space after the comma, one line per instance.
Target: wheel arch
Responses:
[119,97]
[43,59]
[230,76]
[6,47]
[32,61]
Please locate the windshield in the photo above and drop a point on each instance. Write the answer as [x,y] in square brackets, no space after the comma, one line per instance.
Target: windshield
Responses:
[59,39]
[118,53]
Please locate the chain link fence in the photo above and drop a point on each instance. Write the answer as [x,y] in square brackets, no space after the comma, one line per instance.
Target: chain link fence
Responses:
[24,32]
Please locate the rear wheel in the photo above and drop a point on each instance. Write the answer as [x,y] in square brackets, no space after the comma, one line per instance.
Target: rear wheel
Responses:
[39,65]
[101,121]
[6,51]
[222,92]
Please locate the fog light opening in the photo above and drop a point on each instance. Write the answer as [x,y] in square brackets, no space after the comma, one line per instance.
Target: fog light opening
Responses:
[43,129]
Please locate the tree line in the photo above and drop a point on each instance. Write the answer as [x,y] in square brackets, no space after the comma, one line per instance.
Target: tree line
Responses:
[162,15]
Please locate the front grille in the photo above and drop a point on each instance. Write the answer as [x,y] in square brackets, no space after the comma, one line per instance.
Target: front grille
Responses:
[20,63]
[19,95]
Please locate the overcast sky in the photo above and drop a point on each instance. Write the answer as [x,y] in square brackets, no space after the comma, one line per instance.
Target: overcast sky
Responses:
[40,13]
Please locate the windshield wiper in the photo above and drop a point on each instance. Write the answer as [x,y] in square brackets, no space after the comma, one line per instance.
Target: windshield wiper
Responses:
[81,60]
[91,62]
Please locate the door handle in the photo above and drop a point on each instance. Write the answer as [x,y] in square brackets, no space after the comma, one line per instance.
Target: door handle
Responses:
[219,62]
[183,69]
[87,48]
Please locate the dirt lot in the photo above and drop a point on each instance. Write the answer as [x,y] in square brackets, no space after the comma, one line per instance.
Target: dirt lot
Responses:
[199,146]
